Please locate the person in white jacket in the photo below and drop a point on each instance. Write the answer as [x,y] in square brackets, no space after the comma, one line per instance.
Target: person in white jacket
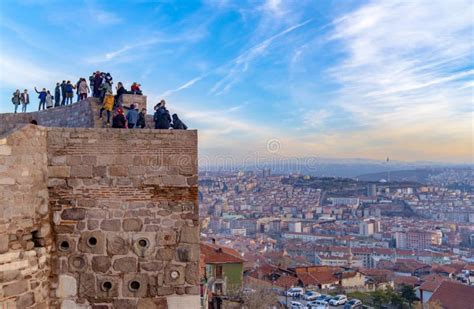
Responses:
[49,100]
[83,89]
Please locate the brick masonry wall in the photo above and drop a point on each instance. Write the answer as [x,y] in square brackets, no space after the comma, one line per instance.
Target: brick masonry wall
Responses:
[125,214]
[25,231]
[77,115]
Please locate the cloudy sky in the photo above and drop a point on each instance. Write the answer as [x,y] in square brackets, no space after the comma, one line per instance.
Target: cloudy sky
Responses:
[335,79]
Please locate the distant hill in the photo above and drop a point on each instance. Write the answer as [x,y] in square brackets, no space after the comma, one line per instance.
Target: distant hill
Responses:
[417,175]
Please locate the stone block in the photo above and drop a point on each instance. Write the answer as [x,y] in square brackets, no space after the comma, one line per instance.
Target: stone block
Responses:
[117,245]
[101,263]
[78,263]
[190,234]
[65,245]
[81,171]
[73,214]
[110,225]
[174,275]
[165,254]
[125,264]
[125,304]
[107,287]
[15,288]
[87,285]
[67,286]
[143,244]
[132,225]
[59,171]
[4,240]
[25,300]
[151,266]
[152,303]
[167,237]
[193,290]
[117,171]
[135,285]
[92,242]
[192,273]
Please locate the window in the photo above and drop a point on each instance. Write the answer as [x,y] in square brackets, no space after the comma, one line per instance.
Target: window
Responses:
[219,271]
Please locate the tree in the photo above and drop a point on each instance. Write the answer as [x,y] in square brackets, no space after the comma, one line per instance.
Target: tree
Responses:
[408,294]
[259,297]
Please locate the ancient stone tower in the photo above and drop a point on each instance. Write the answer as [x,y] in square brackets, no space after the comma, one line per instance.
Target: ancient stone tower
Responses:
[93,217]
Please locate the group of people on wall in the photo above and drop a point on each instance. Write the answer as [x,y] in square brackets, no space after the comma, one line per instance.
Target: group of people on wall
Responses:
[101,88]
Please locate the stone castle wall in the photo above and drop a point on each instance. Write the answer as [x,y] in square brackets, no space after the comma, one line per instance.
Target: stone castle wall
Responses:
[109,218]
[25,240]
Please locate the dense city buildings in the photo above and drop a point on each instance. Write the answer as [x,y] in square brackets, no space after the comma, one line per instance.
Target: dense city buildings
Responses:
[343,234]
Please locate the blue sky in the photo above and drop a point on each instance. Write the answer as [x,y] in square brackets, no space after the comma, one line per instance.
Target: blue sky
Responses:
[336,79]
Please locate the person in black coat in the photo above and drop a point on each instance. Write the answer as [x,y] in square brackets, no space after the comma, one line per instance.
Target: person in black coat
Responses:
[162,118]
[178,124]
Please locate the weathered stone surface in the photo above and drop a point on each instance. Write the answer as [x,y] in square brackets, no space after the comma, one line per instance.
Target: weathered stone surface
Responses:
[67,287]
[4,243]
[190,234]
[73,214]
[135,285]
[87,285]
[101,263]
[132,225]
[192,273]
[165,254]
[193,290]
[116,245]
[126,264]
[151,266]
[167,237]
[110,225]
[152,303]
[25,300]
[78,262]
[125,303]
[174,275]
[92,242]
[15,288]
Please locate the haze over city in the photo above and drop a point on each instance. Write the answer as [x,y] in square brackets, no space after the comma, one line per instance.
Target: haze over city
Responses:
[334,79]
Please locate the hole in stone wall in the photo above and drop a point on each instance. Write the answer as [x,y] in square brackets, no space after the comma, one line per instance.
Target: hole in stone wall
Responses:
[64,245]
[92,241]
[106,286]
[143,243]
[39,242]
[134,286]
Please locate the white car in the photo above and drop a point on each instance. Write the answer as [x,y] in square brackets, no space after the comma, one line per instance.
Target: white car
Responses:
[310,295]
[318,304]
[338,300]
[296,305]
[295,292]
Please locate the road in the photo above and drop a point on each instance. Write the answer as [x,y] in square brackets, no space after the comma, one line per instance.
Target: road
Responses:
[282,300]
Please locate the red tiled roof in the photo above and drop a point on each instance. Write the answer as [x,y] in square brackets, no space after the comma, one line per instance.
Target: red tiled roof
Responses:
[430,286]
[286,281]
[453,295]
[216,254]
[406,280]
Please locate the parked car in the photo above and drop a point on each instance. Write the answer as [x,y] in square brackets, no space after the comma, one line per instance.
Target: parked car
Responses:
[338,300]
[318,304]
[296,305]
[353,304]
[310,295]
[295,292]
[324,297]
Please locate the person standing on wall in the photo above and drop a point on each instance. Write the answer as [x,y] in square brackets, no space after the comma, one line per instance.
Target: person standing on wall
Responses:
[162,116]
[16,100]
[63,92]
[25,100]
[57,95]
[97,82]
[69,92]
[107,106]
[132,117]
[83,89]
[49,100]
[141,122]
[41,97]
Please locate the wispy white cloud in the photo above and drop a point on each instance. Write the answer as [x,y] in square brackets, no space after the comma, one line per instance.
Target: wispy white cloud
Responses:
[405,62]
[186,85]
[241,63]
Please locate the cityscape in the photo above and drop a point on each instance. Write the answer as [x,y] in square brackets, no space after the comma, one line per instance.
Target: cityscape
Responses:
[331,235]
